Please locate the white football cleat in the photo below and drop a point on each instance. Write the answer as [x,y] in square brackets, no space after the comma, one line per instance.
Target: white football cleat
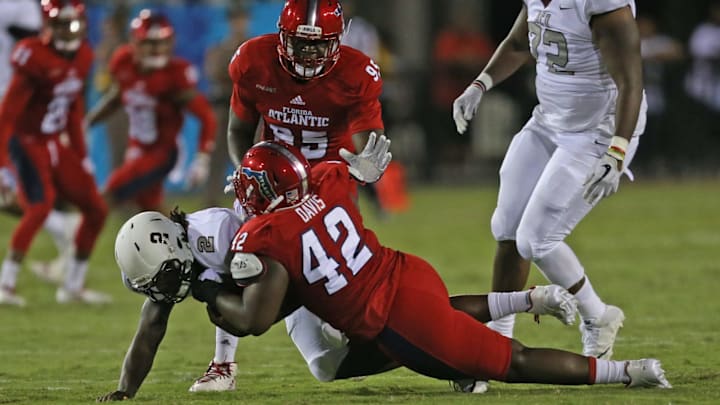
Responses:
[470,386]
[218,377]
[598,337]
[8,297]
[553,300]
[84,296]
[646,373]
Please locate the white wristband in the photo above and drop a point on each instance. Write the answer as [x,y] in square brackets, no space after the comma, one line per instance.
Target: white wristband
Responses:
[484,81]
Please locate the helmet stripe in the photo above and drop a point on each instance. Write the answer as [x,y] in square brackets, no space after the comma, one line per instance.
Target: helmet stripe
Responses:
[312,12]
[296,163]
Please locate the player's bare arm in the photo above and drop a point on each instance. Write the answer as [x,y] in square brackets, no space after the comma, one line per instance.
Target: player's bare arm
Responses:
[140,356]
[513,52]
[616,35]
[241,136]
[108,103]
[257,309]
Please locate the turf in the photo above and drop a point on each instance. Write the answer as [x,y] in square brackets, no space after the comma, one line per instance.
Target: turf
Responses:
[652,249]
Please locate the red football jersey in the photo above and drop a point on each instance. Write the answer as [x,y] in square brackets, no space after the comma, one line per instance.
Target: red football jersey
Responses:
[155,118]
[45,95]
[319,116]
[337,268]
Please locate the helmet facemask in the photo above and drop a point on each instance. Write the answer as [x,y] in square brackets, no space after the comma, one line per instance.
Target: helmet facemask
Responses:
[171,283]
[306,54]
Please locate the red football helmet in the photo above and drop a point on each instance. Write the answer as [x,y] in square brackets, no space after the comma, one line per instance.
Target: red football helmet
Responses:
[310,33]
[65,23]
[152,36]
[272,176]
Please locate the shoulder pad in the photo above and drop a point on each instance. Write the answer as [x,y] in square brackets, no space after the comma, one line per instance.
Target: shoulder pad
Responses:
[246,266]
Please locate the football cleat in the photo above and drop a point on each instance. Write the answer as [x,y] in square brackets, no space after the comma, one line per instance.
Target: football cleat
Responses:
[218,377]
[598,336]
[553,300]
[470,386]
[8,297]
[84,296]
[646,373]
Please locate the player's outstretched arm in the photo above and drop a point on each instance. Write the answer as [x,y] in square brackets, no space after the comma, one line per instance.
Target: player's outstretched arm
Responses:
[108,103]
[140,356]
[511,54]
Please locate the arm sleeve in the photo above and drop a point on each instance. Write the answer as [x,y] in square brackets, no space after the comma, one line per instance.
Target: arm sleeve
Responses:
[200,107]
[595,7]
[16,98]
[366,113]
[241,101]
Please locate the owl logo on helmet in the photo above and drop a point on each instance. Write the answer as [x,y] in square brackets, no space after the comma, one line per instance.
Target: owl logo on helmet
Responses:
[154,257]
[310,34]
[65,23]
[272,176]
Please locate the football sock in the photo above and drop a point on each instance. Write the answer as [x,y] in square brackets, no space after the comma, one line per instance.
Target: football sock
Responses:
[225,346]
[322,355]
[75,277]
[506,303]
[560,266]
[590,305]
[610,372]
[503,326]
[57,224]
[9,273]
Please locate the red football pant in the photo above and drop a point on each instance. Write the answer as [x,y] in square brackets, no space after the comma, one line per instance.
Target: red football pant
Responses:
[140,178]
[426,334]
[46,169]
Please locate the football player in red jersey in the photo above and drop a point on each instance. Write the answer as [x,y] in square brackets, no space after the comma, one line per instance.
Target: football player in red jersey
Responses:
[41,134]
[155,88]
[310,91]
[307,238]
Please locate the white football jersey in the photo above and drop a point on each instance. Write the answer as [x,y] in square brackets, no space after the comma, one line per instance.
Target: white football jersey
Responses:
[575,91]
[210,233]
[20,13]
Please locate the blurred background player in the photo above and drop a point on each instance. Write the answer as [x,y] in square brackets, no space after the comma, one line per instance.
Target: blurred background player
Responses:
[221,86]
[155,88]
[580,140]
[41,131]
[20,19]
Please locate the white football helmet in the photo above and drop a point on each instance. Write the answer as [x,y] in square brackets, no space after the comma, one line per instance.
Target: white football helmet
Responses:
[154,257]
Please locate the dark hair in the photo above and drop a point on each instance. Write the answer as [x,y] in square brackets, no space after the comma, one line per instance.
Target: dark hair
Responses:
[179,217]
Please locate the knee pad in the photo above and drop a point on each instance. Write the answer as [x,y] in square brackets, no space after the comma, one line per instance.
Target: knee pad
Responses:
[532,246]
[500,228]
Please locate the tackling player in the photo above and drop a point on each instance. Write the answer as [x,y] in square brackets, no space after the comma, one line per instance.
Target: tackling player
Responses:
[155,88]
[156,255]
[41,134]
[306,236]
[572,152]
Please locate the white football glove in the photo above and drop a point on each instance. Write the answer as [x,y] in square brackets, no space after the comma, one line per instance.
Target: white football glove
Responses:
[199,170]
[370,164]
[229,185]
[553,300]
[7,187]
[604,180]
[465,107]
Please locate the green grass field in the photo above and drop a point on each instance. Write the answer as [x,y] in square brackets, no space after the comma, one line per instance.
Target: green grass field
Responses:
[653,249]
